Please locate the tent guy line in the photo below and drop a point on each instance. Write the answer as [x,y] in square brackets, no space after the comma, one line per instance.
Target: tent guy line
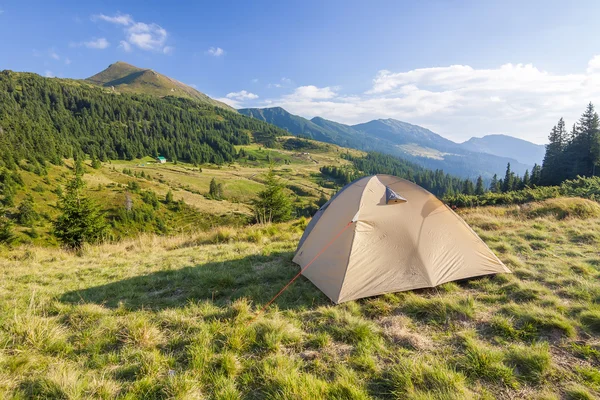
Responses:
[262,310]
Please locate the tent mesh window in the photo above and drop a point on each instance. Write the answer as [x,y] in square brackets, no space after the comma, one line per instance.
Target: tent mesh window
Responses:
[392,197]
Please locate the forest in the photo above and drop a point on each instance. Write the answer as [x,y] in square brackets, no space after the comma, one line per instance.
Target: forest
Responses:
[47,120]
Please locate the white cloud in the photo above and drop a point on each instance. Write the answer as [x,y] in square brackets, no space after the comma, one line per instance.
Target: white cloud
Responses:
[100,44]
[54,55]
[283,82]
[242,95]
[145,36]
[313,92]
[459,101]
[67,61]
[215,51]
[118,19]
[125,46]
[48,74]
[230,102]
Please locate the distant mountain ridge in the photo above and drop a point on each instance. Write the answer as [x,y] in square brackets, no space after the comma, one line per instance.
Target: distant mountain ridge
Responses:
[408,141]
[507,146]
[127,78]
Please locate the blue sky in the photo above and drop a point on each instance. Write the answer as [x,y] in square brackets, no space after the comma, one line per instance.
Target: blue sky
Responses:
[460,68]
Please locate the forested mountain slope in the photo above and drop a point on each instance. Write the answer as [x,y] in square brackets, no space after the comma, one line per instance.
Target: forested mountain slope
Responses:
[43,119]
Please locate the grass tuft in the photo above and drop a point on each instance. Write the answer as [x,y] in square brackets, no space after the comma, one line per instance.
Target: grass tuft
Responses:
[591,320]
[531,363]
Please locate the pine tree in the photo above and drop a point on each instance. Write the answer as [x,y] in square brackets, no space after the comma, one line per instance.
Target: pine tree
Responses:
[468,187]
[536,175]
[169,197]
[526,179]
[588,126]
[479,188]
[495,185]
[551,166]
[81,220]
[26,214]
[272,205]
[7,235]
[215,190]
[508,182]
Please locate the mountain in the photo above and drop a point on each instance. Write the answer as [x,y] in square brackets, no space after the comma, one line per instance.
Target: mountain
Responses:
[45,120]
[401,133]
[126,78]
[292,123]
[507,146]
[411,142]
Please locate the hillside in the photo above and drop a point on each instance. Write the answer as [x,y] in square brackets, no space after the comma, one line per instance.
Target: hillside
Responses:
[401,139]
[507,146]
[292,123]
[177,317]
[125,78]
[46,120]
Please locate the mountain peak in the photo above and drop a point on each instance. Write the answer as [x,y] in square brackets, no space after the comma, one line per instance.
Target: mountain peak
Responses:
[126,78]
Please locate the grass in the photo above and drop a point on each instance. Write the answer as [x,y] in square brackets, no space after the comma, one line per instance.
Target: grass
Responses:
[176,317]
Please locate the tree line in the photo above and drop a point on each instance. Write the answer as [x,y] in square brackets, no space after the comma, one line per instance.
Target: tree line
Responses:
[575,152]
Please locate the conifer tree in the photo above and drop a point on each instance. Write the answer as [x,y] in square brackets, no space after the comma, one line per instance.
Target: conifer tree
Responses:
[272,205]
[536,175]
[526,179]
[7,235]
[468,187]
[215,190]
[169,197]
[479,188]
[495,185]
[81,220]
[507,183]
[551,166]
[26,214]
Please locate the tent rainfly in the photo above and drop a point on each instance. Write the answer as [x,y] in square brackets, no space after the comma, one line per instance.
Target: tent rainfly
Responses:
[399,237]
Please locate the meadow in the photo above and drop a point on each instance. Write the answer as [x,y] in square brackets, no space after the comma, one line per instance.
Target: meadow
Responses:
[115,183]
[177,317]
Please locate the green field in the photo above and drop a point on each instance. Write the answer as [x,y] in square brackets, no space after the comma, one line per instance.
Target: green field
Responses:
[176,317]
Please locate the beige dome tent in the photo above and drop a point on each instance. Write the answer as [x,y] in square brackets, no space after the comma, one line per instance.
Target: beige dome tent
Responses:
[384,234]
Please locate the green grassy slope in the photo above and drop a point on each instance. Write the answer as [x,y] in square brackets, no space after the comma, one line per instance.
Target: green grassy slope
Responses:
[175,318]
[126,78]
[117,180]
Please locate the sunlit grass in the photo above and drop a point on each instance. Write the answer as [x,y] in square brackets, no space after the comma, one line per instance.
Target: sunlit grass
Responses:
[177,317]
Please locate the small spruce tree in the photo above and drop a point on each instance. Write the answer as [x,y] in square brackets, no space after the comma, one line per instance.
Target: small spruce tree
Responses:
[7,235]
[169,197]
[81,220]
[26,214]
[479,189]
[272,205]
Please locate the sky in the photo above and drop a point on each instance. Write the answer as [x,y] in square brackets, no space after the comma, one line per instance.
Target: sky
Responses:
[459,68]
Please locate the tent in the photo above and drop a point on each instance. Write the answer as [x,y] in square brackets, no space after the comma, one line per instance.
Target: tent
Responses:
[383,234]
